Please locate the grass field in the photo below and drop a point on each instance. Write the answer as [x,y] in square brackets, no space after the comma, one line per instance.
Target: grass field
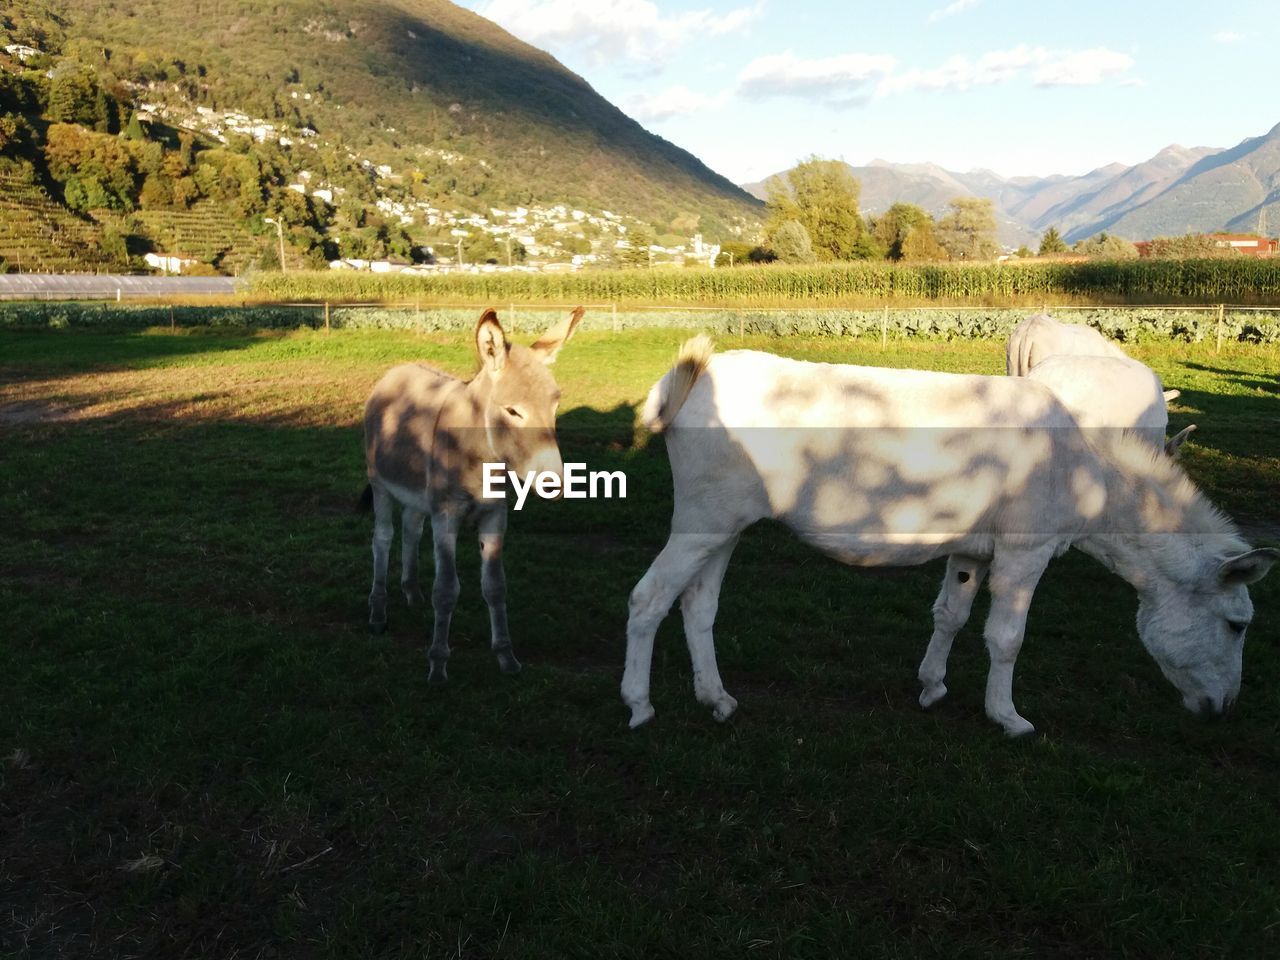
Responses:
[205,753]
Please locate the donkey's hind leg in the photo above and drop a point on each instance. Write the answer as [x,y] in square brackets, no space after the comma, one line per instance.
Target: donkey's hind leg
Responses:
[383,532]
[950,612]
[1014,575]
[667,577]
[411,521]
[699,603]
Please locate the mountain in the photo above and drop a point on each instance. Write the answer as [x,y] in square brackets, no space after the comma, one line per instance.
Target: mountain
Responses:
[1179,190]
[424,87]
[1238,189]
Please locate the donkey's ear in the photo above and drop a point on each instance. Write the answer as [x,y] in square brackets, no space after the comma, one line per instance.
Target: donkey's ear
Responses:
[549,343]
[491,343]
[1248,567]
[1173,446]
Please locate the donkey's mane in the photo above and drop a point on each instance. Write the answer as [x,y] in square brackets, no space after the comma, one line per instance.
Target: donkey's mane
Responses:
[1150,472]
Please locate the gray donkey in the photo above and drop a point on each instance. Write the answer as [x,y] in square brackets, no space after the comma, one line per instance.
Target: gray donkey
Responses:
[427,438]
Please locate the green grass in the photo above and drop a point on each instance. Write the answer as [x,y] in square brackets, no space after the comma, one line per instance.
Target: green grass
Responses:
[185,676]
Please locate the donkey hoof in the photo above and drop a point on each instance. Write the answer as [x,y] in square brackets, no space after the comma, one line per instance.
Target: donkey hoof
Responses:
[509,665]
[931,695]
[414,598]
[640,715]
[377,628]
[724,709]
[438,673]
[1017,727]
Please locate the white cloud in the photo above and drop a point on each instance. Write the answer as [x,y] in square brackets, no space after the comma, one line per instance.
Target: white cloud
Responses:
[674,101]
[853,79]
[961,73]
[1082,68]
[634,30]
[839,81]
[1227,36]
[1047,68]
[950,9]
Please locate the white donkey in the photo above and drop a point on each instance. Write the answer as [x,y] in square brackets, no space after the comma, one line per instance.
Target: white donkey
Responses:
[1112,393]
[427,438]
[1094,379]
[1040,336]
[898,467]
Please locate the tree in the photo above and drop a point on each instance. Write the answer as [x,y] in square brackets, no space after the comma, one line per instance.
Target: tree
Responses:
[18,101]
[1052,243]
[968,232]
[791,243]
[133,130]
[1106,247]
[1191,246]
[76,97]
[822,196]
[156,192]
[636,254]
[907,232]
[1023,252]
[98,170]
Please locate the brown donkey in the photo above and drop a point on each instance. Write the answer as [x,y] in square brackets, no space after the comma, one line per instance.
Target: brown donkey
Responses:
[427,438]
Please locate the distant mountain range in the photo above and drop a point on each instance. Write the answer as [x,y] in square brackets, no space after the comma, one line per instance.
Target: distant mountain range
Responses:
[1179,190]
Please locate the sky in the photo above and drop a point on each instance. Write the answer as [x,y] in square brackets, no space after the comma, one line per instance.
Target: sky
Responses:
[1021,87]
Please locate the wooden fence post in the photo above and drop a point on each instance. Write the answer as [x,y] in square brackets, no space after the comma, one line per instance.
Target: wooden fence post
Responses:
[884,329]
[326,316]
[172,327]
[1222,309]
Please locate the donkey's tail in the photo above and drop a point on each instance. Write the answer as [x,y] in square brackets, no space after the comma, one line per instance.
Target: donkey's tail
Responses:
[365,503]
[669,394]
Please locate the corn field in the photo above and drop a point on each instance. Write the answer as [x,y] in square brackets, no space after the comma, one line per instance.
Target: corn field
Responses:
[1239,280]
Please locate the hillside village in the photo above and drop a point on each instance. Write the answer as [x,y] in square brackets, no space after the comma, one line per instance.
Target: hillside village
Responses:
[537,237]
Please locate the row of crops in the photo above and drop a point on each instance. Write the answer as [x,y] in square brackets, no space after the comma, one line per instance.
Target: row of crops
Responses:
[1125,325]
[1227,279]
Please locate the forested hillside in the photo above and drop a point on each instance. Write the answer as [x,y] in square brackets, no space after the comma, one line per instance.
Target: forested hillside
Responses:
[383,114]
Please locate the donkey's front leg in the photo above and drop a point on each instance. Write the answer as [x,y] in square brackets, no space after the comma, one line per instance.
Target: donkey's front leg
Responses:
[950,612]
[444,593]
[1014,575]
[493,584]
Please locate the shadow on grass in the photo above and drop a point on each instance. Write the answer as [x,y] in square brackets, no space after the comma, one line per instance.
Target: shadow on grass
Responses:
[25,354]
[206,753]
[1248,379]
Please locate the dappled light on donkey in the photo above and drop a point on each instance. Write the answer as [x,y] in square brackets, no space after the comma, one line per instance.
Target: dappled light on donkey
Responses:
[876,466]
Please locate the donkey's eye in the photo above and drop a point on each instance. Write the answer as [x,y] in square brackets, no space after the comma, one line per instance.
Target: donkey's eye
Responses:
[515,413]
[1237,626]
